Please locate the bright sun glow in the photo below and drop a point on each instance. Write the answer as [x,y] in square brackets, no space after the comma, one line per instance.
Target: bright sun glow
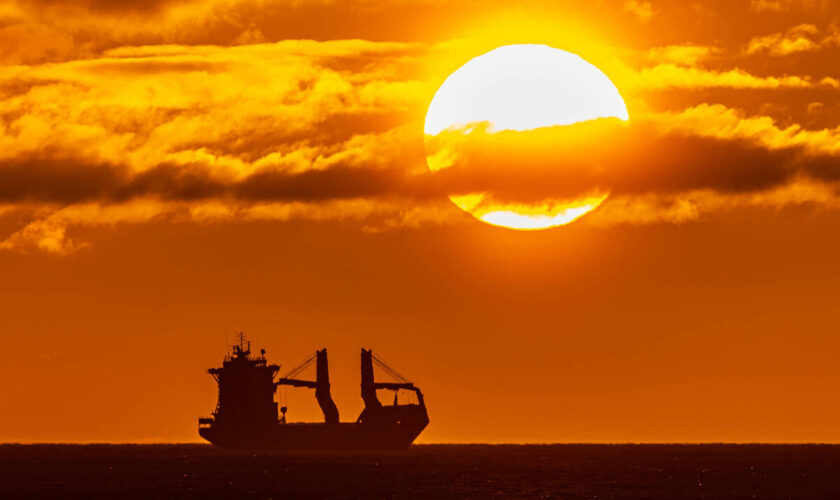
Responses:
[522,87]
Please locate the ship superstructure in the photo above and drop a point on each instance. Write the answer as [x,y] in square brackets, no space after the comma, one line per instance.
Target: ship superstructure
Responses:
[246,415]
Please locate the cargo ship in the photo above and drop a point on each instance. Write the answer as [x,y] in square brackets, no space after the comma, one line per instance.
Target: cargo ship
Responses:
[246,415]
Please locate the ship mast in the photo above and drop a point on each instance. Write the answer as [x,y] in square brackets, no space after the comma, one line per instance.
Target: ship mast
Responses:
[244,347]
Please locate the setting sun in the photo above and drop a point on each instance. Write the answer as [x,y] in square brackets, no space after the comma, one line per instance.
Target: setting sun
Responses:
[518,88]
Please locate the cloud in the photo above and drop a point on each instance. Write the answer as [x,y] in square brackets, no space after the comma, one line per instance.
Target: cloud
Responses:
[670,75]
[99,144]
[691,67]
[653,175]
[42,235]
[705,147]
[686,55]
[38,31]
[800,38]
[647,157]
[642,10]
[719,122]
[292,124]
[789,5]
[41,31]
[333,130]
[699,204]
[111,6]
[23,43]
[48,229]
[671,166]
[235,108]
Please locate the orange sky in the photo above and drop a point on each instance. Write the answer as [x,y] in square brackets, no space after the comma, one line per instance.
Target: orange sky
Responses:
[174,171]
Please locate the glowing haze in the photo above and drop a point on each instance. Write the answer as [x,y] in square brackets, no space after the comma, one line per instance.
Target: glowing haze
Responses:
[520,88]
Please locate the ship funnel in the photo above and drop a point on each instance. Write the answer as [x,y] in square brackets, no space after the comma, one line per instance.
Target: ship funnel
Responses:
[322,388]
[368,387]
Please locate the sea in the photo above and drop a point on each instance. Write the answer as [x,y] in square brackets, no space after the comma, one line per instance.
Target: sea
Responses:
[423,471]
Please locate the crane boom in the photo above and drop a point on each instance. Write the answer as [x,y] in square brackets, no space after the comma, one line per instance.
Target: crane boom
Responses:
[321,385]
[293,382]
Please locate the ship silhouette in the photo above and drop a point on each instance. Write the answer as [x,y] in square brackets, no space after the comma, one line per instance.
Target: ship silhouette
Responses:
[246,415]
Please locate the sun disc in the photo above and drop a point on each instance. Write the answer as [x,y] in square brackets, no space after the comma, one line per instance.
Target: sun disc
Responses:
[521,88]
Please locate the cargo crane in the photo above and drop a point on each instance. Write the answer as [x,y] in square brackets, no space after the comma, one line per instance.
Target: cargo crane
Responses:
[321,385]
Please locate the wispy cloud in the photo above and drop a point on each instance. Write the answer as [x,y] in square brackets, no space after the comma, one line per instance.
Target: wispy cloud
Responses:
[669,75]
[789,5]
[641,9]
[686,55]
[800,38]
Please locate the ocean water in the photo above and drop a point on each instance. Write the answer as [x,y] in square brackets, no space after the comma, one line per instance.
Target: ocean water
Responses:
[423,471]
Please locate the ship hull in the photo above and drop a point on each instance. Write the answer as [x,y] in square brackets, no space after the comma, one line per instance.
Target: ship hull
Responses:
[348,436]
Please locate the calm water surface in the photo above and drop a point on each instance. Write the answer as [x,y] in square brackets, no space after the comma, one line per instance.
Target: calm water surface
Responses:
[424,471]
